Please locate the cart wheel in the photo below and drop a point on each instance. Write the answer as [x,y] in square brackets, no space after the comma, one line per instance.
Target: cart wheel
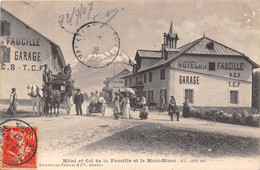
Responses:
[103,111]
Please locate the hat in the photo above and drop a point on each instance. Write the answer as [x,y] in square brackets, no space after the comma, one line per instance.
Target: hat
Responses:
[78,89]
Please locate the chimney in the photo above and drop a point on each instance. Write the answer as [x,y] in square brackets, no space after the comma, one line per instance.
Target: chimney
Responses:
[165,44]
[164,38]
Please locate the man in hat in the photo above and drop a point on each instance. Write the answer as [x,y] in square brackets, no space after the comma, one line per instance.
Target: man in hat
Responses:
[78,100]
[173,109]
[46,75]
[67,70]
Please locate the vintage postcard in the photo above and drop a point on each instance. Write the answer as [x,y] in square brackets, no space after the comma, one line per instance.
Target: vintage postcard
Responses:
[172,84]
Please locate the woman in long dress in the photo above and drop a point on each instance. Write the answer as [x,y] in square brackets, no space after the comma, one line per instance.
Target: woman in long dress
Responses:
[126,108]
[116,107]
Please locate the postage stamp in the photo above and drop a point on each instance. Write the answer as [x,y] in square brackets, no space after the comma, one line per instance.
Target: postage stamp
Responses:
[18,144]
[96,44]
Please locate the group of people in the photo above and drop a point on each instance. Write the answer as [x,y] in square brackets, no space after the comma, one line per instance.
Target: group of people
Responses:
[96,101]
[122,106]
[47,73]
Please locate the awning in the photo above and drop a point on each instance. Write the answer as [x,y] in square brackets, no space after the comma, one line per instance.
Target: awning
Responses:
[127,89]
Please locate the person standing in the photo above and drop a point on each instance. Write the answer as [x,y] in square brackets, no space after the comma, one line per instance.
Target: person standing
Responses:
[13,102]
[126,107]
[173,109]
[162,103]
[78,100]
[186,109]
[101,101]
[47,75]
[93,102]
[144,112]
[68,94]
[143,100]
[116,106]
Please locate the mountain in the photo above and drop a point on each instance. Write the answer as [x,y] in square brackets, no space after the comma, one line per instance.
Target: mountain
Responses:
[91,79]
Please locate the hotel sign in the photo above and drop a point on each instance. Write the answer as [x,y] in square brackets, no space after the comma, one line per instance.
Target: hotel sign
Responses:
[9,42]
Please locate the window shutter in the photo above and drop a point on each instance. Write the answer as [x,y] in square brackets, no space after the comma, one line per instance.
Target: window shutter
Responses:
[191,96]
[2,28]
[7,55]
[7,29]
[2,53]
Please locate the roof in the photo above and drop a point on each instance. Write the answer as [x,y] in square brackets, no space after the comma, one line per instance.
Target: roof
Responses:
[218,49]
[113,77]
[52,42]
[149,54]
[199,47]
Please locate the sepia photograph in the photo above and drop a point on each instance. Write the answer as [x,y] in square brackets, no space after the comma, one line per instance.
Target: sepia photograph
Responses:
[134,84]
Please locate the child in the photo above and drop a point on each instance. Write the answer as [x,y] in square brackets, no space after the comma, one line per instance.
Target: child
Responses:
[144,112]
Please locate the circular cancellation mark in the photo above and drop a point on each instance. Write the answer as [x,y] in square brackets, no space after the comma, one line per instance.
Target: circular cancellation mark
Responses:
[18,142]
[96,44]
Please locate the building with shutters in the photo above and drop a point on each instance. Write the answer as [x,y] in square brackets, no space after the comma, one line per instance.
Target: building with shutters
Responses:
[24,51]
[209,74]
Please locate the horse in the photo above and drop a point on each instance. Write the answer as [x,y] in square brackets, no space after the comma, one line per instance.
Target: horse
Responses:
[36,98]
[51,98]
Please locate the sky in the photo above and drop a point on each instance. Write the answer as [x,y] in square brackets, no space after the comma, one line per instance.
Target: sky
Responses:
[141,24]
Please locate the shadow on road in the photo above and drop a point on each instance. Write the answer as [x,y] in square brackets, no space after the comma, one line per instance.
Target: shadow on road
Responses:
[157,139]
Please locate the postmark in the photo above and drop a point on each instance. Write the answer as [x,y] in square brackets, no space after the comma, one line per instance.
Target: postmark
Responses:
[96,44]
[18,144]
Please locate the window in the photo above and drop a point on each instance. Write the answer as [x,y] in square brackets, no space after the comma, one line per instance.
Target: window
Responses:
[4,54]
[5,28]
[150,95]
[164,93]
[150,77]
[189,95]
[145,76]
[210,45]
[130,83]
[162,74]
[234,97]
[212,66]
[125,83]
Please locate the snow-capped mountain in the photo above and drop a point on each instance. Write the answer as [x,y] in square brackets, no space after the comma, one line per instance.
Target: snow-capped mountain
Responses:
[91,79]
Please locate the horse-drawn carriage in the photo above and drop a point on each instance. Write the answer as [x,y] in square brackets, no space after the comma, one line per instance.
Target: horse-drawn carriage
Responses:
[58,93]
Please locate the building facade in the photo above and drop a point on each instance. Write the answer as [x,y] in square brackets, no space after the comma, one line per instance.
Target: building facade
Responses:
[112,84]
[24,51]
[209,74]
